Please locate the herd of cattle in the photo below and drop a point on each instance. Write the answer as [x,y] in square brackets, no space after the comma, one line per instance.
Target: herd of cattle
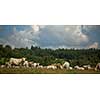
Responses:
[22,62]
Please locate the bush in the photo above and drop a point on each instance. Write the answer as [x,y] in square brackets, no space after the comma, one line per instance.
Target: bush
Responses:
[2,61]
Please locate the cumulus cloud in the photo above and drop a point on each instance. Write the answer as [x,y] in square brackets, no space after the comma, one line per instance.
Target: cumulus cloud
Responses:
[35,28]
[52,36]
[76,33]
[24,38]
[94,45]
[62,36]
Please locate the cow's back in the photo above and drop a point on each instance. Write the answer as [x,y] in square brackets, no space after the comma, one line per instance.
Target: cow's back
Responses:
[15,61]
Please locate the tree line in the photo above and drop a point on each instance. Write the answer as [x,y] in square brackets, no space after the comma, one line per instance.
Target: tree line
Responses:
[49,56]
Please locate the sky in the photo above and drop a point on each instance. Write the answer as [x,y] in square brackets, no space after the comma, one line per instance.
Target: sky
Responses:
[50,36]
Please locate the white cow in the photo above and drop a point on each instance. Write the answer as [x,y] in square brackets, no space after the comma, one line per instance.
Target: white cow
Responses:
[76,67]
[26,64]
[40,66]
[30,64]
[87,67]
[2,66]
[16,61]
[7,64]
[79,68]
[51,67]
[58,65]
[35,64]
[70,68]
[66,65]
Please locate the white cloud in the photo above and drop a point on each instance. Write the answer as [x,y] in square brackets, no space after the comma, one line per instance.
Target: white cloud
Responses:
[35,28]
[25,38]
[94,45]
[53,36]
[42,26]
[60,35]
[76,34]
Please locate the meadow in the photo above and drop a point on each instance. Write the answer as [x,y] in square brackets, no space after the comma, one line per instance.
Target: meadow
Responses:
[45,71]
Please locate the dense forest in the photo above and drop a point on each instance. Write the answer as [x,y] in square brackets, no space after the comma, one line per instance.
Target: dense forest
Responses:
[50,56]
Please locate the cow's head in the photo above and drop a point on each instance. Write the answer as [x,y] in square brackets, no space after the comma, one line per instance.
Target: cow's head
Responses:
[23,59]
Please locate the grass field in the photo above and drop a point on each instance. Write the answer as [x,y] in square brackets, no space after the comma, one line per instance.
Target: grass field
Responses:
[44,71]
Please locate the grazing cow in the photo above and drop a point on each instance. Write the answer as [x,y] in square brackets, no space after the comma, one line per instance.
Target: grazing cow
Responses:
[66,65]
[59,66]
[87,67]
[76,67]
[35,64]
[8,65]
[97,67]
[70,68]
[40,66]
[30,64]
[51,67]
[2,66]
[15,61]
[79,68]
[26,64]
